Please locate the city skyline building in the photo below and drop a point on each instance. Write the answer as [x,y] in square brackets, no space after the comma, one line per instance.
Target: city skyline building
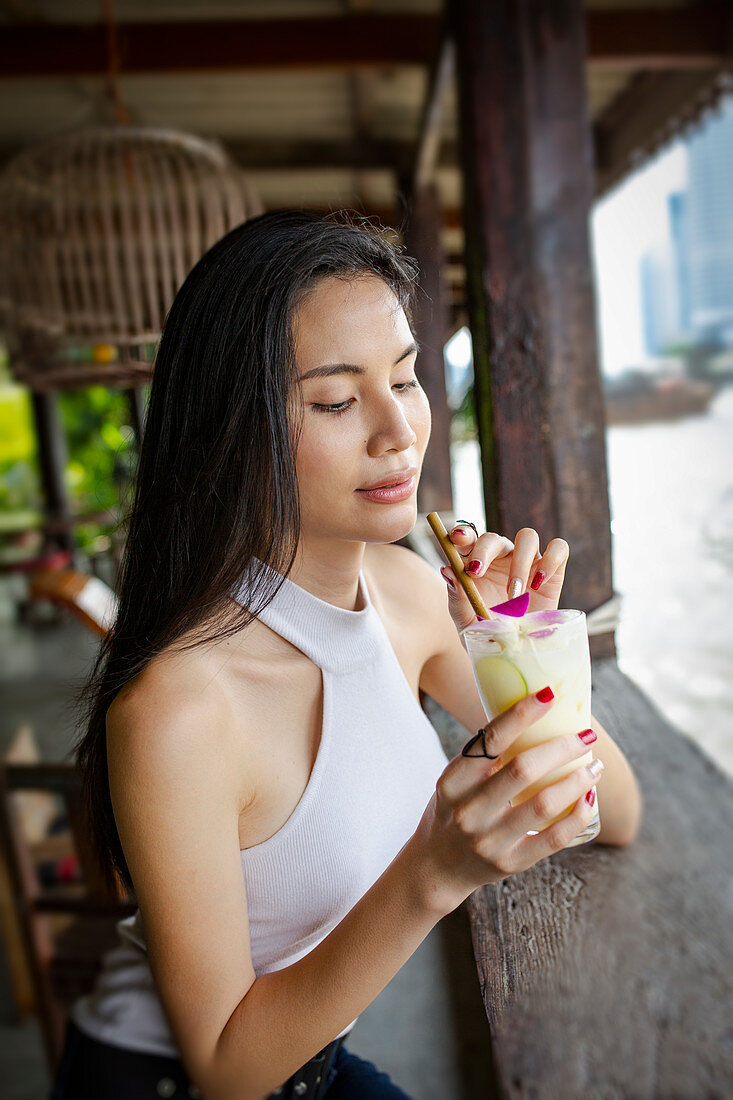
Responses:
[677,209]
[686,281]
[661,313]
[709,231]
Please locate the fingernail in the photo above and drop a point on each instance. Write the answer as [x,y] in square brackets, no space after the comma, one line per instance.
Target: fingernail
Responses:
[473,566]
[480,619]
[545,695]
[458,531]
[588,737]
[537,580]
[596,768]
[514,588]
[591,796]
[448,580]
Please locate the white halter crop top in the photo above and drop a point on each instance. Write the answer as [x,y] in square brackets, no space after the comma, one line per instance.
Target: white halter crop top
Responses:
[377,764]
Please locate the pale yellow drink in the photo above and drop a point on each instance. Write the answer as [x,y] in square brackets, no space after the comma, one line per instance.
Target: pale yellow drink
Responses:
[513,657]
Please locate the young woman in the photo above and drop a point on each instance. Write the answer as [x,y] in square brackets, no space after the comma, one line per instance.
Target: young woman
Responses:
[257,763]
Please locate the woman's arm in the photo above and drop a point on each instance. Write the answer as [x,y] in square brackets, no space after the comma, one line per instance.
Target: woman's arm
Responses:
[176,789]
[448,678]
[176,794]
[619,798]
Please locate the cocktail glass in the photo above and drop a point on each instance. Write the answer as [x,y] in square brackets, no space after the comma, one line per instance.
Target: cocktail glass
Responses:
[513,657]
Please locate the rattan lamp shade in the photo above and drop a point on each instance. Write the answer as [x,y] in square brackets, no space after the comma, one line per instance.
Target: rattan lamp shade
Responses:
[98,229]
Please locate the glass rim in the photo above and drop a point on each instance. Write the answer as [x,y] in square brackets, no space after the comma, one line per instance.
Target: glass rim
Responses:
[481,629]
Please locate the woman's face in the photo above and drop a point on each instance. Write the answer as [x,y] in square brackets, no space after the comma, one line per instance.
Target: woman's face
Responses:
[359,425]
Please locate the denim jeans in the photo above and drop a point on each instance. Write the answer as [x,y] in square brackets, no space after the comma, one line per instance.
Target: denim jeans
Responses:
[91,1070]
[353,1078]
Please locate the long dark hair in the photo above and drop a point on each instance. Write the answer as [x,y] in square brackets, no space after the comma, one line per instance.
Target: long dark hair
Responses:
[216,495]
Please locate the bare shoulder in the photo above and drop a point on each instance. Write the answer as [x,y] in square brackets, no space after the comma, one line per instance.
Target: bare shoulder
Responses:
[173,683]
[174,713]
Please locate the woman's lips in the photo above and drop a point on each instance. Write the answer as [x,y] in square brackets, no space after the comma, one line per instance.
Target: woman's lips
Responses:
[390,494]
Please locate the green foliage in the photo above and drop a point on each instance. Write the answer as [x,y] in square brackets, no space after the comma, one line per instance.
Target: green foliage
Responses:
[463,422]
[20,489]
[102,456]
[16,424]
[101,447]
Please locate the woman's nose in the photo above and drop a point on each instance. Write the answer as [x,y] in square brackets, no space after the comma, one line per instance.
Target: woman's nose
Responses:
[392,429]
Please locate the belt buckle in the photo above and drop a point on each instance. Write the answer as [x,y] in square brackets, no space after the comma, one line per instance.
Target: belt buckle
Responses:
[309,1082]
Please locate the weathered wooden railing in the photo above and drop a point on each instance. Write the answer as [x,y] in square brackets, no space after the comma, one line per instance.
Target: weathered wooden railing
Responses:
[606,973]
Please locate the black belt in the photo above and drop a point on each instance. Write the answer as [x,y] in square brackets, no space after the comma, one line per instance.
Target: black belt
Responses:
[309,1082]
[91,1068]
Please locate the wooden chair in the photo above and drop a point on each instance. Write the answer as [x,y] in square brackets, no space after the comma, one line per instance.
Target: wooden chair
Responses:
[56,933]
[55,936]
[85,596]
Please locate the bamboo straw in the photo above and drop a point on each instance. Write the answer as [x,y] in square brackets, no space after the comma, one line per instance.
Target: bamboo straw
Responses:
[456,562]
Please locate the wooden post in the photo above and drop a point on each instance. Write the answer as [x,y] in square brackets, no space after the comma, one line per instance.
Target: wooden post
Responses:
[526,150]
[52,458]
[136,402]
[422,240]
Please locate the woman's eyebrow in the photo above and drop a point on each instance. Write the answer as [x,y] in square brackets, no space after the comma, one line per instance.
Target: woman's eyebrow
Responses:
[350,368]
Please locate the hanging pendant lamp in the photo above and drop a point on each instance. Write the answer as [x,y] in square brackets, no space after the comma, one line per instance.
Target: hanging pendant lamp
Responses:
[98,229]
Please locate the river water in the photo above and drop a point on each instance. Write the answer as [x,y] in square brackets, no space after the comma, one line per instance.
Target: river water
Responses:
[671,490]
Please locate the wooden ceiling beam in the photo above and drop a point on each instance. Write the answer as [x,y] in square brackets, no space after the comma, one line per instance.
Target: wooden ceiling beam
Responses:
[691,37]
[338,43]
[652,111]
[698,36]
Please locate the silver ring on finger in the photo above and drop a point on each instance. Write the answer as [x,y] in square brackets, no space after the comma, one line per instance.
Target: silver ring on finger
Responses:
[480,736]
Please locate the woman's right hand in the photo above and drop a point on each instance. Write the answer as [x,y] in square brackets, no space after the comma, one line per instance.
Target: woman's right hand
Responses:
[471,835]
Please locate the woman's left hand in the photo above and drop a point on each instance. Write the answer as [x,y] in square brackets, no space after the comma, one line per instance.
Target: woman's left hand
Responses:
[502,563]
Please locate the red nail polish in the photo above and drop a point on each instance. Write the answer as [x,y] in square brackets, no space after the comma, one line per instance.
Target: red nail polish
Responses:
[537,580]
[448,580]
[545,695]
[473,566]
[459,531]
[590,797]
[588,737]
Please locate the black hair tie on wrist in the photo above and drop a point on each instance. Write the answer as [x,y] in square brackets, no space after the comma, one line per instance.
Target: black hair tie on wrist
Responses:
[482,736]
